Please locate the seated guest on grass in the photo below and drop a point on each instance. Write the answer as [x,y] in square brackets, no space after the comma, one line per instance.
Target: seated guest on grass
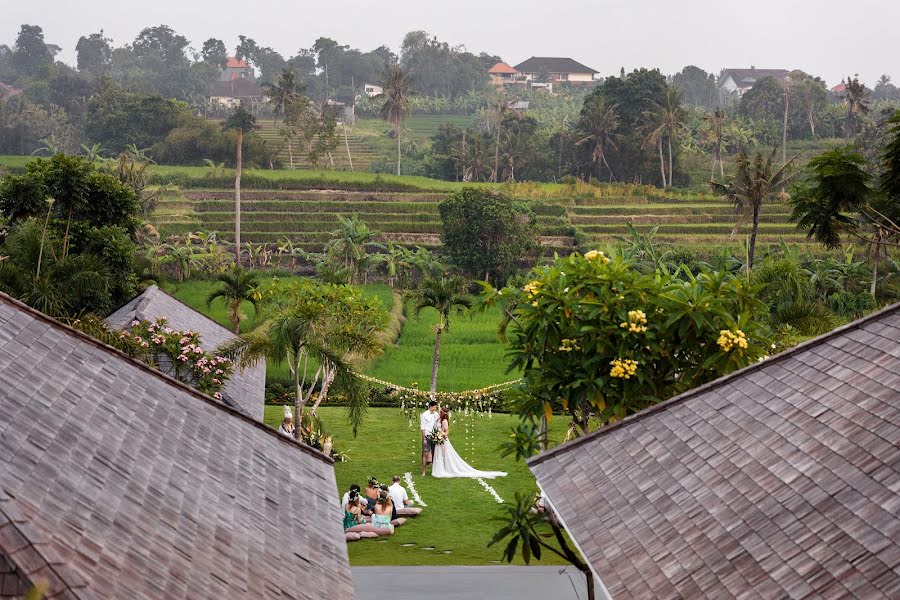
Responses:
[346,498]
[383,510]
[372,493]
[385,494]
[403,505]
[355,526]
[287,423]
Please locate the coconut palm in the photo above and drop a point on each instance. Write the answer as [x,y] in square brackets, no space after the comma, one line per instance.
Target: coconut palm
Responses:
[673,121]
[285,90]
[237,286]
[443,294]
[855,94]
[756,181]
[597,127]
[715,120]
[654,132]
[241,121]
[396,86]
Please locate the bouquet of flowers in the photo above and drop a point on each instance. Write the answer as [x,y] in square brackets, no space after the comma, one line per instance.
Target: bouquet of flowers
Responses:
[437,436]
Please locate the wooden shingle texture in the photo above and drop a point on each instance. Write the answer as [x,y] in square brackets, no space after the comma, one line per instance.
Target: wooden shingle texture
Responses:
[247,387]
[781,480]
[119,482]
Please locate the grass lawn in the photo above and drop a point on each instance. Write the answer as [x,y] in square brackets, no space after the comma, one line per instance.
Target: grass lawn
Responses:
[457,521]
[472,356]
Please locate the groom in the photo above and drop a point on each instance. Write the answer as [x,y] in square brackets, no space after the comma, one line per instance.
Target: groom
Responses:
[427,422]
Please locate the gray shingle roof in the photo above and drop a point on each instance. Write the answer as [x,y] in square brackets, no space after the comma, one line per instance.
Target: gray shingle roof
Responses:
[549,64]
[744,78]
[779,480]
[119,482]
[247,387]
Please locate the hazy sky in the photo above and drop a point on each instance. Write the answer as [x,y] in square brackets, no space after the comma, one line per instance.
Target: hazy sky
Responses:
[823,37]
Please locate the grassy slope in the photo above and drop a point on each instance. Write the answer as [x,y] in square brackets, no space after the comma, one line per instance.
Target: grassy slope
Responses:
[459,512]
[471,354]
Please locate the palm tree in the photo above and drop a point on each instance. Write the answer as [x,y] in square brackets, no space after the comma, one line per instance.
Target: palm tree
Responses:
[238,286]
[597,126]
[283,92]
[757,181]
[716,120]
[396,86]
[857,105]
[349,242]
[673,120]
[443,294]
[241,121]
[654,133]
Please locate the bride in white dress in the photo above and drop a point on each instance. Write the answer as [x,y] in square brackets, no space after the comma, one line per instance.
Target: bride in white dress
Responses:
[447,463]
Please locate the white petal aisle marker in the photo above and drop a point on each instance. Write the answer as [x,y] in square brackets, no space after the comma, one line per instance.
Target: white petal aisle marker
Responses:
[491,490]
[411,488]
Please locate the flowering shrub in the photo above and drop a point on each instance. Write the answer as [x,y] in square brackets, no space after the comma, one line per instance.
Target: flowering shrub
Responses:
[180,355]
[595,337]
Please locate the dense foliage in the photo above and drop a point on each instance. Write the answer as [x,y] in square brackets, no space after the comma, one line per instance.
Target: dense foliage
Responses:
[486,234]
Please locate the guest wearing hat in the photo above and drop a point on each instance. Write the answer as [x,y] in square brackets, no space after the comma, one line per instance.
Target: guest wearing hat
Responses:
[287,423]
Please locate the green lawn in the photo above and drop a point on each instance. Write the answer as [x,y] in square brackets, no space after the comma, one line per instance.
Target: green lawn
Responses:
[472,356]
[457,521]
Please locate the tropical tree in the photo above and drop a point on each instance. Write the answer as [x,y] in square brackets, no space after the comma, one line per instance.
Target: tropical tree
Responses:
[855,94]
[285,90]
[396,86]
[349,244]
[756,182]
[673,117]
[333,326]
[237,286]
[241,121]
[715,122]
[597,128]
[835,197]
[445,295]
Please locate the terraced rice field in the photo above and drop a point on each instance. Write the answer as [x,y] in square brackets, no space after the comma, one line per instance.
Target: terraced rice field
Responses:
[309,217]
[362,152]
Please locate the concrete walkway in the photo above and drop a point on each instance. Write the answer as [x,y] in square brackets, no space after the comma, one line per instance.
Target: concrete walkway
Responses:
[465,583]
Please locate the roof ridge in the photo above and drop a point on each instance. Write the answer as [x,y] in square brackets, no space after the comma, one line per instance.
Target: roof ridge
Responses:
[715,383]
[162,376]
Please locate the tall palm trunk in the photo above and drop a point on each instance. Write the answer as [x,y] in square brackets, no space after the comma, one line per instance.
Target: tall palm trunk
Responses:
[397,131]
[662,162]
[784,128]
[347,146]
[437,355]
[670,158]
[751,251]
[238,166]
[877,240]
[496,176]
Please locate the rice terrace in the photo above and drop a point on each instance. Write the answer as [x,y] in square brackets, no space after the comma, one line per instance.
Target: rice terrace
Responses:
[355,309]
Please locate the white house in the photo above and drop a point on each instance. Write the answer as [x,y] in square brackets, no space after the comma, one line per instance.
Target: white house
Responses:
[371,90]
[740,80]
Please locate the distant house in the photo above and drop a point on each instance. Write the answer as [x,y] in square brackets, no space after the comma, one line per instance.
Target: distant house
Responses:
[232,93]
[117,481]
[236,69]
[245,391]
[8,91]
[371,90]
[739,81]
[777,481]
[502,74]
[542,69]
[840,89]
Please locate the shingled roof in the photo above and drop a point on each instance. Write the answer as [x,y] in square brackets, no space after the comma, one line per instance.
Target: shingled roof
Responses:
[779,480]
[246,388]
[549,64]
[119,482]
[745,78]
[240,87]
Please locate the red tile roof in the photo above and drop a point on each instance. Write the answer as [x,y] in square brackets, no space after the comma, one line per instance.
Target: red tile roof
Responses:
[779,480]
[501,68]
[234,63]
